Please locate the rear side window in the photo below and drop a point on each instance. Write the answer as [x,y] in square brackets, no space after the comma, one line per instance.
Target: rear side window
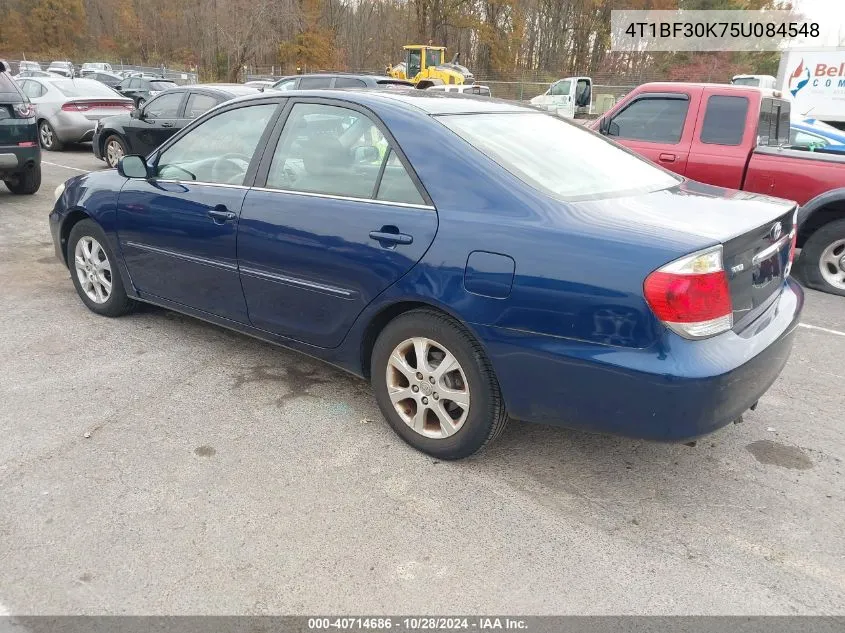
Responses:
[198,104]
[315,82]
[655,119]
[349,82]
[396,185]
[724,120]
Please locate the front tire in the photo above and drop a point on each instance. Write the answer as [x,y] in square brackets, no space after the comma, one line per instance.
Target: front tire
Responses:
[26,183]
[821,264]
[93,268]
[114,149]
[435,386]
[47,137]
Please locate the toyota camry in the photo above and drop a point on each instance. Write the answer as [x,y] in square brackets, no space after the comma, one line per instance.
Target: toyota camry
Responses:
[476,260]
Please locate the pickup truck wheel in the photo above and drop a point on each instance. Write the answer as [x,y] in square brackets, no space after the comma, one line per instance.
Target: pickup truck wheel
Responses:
[822,262]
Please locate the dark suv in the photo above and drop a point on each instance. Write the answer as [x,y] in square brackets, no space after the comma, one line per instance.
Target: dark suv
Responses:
[20,154]
[317,81]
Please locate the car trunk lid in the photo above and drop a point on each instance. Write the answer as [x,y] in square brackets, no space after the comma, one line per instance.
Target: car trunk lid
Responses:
[96,109]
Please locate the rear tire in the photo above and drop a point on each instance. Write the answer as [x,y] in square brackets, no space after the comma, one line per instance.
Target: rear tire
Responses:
[821,265]
[451,414]
[47,137]
[26,183]
[93,268]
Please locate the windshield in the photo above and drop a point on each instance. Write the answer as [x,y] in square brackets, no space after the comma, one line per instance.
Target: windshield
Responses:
[745,81]
[83,88]
[161,85]
[560,88]
[556,157]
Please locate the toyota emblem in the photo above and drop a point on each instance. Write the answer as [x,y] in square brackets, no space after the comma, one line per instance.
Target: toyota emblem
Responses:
[776,231]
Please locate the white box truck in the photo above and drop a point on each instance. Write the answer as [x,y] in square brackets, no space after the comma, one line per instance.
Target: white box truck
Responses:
[815,81]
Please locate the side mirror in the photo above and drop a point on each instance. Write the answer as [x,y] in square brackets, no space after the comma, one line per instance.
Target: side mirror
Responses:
[137,113]
[132,167]
[366,154]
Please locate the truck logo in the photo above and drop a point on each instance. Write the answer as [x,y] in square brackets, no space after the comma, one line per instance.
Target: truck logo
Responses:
[776,231]
[799,79]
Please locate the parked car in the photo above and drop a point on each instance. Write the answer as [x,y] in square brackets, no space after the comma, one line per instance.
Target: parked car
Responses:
[738,136]
[144,129]
[110,79]
[471,89]
[338,80]
[35,73]
[94,67]
[142,89]
[68,109]
[65,69]
[261,84]
[450,252]
[814,135]
[27,65]
[20,156]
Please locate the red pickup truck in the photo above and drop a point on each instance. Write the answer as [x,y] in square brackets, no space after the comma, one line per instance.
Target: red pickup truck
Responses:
[738,137]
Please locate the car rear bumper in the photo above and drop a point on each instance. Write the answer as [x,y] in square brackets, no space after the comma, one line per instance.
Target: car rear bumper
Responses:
[676,390]
[15,159]
[73,127]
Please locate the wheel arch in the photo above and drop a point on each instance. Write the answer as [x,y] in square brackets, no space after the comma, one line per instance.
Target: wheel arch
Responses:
[387,313]
[71,219]
[819,211]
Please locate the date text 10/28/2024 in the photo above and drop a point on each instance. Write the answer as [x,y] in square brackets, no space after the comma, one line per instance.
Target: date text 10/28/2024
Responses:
[418,624]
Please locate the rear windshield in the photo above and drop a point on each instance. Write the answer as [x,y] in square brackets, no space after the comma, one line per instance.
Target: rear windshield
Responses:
[560,158]
[83,88]
[746,81]
[7,84]
[161,85]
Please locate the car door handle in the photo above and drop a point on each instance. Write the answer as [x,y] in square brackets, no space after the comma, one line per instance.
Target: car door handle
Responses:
[389,236]
[667,158]
[221,214]
[167,124]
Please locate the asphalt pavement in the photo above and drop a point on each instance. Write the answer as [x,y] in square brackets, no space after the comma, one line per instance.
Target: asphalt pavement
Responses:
[155,464]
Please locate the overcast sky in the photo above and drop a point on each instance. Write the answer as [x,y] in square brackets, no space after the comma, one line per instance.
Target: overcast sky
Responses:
[830,13]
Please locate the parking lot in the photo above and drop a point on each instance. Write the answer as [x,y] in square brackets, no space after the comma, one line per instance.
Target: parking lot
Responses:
[158,464]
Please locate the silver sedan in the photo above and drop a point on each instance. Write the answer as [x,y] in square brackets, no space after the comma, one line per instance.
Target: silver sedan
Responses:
[67,110]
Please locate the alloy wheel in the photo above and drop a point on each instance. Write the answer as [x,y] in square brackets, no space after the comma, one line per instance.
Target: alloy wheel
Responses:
[428,387]
[93,269]
[46,135]
[114,152]
[832,264]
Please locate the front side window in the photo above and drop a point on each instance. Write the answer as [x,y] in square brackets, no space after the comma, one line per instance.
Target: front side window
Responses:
[164,106]
[198,104]
[413,63]
[655,119]
[724,120]
[560,88]
[218,150]
[799,138]
[529,146]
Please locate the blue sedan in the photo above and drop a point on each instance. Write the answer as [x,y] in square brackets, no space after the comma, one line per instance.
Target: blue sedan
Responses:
[815,135]
[476,260]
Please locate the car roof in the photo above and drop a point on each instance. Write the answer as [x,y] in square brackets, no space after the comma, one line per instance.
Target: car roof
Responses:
[411,99]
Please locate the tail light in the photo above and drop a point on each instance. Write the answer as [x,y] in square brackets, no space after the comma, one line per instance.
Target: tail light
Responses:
[24,110]
[76,107]
[793,244]
[691,295]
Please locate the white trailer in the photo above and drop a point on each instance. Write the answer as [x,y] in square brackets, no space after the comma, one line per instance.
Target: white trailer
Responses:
[815,81]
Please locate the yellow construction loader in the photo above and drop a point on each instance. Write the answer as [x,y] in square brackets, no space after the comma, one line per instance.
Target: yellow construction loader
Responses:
[425,66]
